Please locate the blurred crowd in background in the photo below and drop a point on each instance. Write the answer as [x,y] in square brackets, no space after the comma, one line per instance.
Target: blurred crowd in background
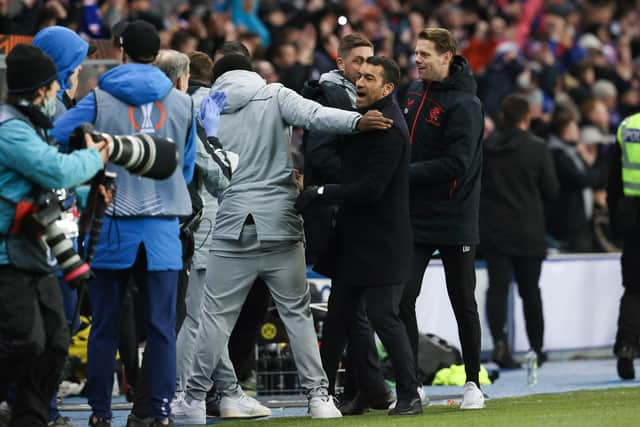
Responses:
[575,61]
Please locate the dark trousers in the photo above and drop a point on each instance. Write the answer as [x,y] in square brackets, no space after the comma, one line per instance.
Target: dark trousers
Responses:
[105,293]
[181,307]
[502,269]
[69,301]
[381,307]
[367,375]
[131,333]
[459,270]
[34,340]
[629,318]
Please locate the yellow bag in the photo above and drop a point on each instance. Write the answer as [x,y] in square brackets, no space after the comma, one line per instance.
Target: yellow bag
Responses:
[80,340]
[455,375]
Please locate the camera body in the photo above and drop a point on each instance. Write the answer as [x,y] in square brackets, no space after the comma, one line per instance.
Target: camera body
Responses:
[39,221]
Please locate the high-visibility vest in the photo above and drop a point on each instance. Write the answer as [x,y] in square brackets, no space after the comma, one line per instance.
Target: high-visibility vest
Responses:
[629,139]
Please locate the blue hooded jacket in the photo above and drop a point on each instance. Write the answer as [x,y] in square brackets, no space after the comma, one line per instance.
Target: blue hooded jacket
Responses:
[67,50]
[134,84]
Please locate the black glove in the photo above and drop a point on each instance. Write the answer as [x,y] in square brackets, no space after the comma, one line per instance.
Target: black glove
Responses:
[306,198]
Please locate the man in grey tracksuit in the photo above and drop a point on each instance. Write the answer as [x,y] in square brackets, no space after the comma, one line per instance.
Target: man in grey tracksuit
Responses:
[257,231]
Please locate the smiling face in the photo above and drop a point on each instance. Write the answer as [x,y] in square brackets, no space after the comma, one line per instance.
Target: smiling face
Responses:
[431,65]
[370,85]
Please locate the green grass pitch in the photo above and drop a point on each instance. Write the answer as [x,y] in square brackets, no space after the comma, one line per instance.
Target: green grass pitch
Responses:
[602,408]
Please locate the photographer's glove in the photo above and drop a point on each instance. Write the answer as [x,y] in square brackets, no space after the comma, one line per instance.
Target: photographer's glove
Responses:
[307,197]
[209,114]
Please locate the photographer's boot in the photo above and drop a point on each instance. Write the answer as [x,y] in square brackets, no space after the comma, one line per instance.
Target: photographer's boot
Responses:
[502,356]
[625,363]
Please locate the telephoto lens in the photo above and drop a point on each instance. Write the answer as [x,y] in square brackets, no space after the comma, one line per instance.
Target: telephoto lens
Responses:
[144,154]
[141,154]
[74,269]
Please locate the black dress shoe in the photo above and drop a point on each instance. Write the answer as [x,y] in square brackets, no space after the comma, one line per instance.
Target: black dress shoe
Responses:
[383,402]
[502,356]
[356,406]
[625,363]
[407,407]
[361,403]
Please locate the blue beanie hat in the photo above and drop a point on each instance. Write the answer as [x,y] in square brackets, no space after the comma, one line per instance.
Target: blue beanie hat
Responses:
[65,47]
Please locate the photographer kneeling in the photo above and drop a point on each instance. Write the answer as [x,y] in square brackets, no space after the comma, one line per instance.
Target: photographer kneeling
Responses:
[33,332]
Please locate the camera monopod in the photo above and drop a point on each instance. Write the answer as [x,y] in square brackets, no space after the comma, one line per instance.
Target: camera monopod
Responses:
[91,221]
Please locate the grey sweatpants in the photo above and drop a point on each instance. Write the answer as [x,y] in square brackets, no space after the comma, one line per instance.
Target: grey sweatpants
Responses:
[186,344]
[237,264]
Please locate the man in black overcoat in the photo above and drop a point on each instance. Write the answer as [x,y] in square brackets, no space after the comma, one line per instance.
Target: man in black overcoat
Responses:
[371,256]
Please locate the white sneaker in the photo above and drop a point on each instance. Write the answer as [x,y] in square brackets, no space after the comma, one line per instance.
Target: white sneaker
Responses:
[242,406]
[473,397]
[323,407]
[188,412]
[423,397]
[177,398]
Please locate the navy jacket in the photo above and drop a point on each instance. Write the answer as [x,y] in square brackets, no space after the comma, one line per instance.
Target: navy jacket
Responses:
[373,228]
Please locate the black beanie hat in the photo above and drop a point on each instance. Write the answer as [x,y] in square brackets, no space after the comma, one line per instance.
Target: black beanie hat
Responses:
[28,69]
[140,41]
[230,63]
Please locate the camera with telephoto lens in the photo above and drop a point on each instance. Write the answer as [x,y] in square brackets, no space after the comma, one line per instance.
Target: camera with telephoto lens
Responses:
[141,154]
[41,222]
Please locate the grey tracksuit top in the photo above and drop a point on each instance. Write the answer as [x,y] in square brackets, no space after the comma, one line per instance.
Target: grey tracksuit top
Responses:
[256,124]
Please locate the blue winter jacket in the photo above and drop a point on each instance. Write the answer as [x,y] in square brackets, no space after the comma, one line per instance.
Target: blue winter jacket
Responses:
[135,84]
[23,153]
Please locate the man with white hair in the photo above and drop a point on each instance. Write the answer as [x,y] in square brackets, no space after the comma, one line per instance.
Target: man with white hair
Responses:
[209,174]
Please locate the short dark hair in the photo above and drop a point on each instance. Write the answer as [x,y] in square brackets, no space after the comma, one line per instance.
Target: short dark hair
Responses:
[201,67]
[391,71]
[561,118]
[514,109]
[233,48]
[350,42]
[231,63]
[179,38]
[140,41]
[442,38]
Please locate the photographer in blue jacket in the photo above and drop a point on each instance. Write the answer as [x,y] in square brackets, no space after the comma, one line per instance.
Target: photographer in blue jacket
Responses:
[33,334]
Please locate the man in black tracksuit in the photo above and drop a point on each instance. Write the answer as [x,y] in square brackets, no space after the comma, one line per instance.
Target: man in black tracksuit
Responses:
[445,121]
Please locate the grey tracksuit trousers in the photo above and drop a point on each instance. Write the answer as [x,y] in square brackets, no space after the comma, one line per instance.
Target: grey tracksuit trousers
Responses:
[235,265]
[224,373]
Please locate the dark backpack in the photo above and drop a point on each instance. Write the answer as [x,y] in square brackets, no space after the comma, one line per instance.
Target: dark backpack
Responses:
[435,353]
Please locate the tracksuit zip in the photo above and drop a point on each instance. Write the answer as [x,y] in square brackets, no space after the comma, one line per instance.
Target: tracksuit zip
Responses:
[415,119]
